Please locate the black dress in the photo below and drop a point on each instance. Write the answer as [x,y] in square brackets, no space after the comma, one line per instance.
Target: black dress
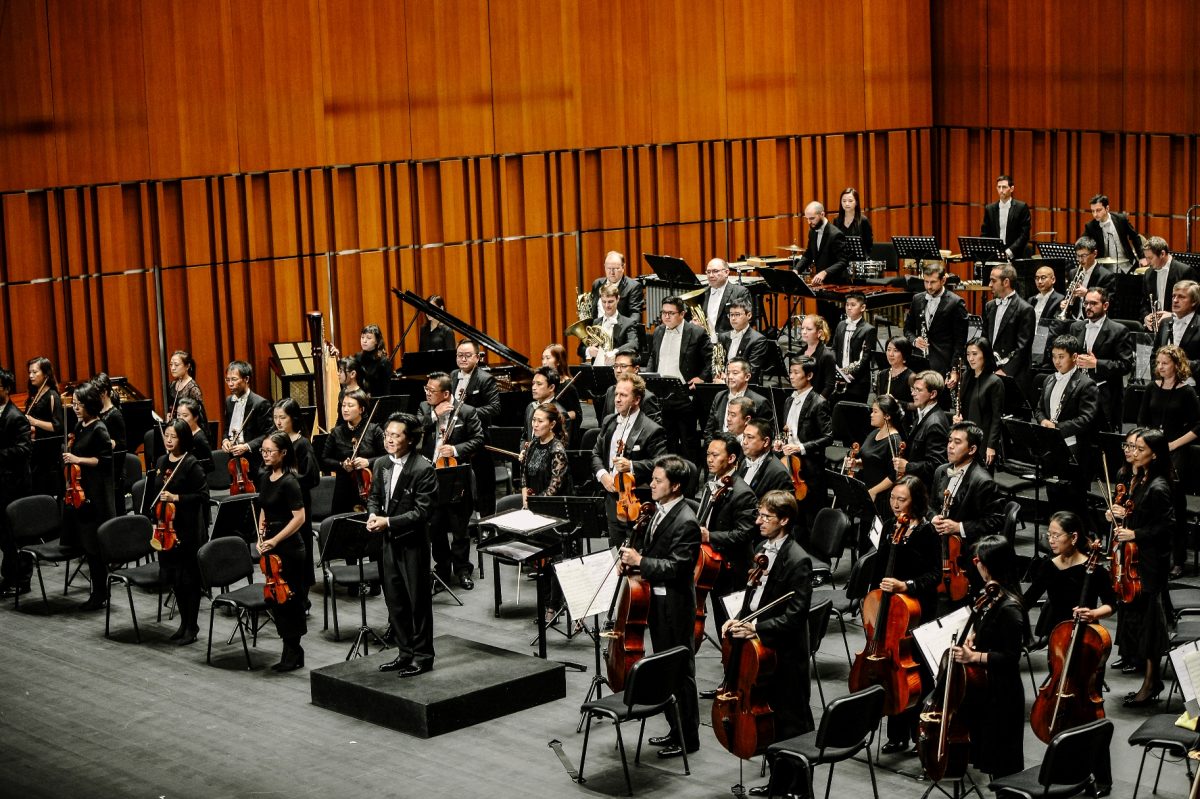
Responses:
[339,445]
[861,226]
[80,525]
[45,466]
[547,471]
[376,375]
[876,458]
[996,717]
[278,499]
[982,402]
[440,339]
[1143,632]
[571,404]
[179,564]
[1063,589]
[1175,411]
[899,386]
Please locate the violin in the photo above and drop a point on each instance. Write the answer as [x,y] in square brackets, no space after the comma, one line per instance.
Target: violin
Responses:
[888,619]
[1126,581]
[74,496]
[362,477]
[449,460]
[1077,651]
[955,583]
[943,741]
[164,538]
[626,644]
[709,563]
[239,467]
[795,468]
[741,716]
[628,506]
[848,467]
[275,590]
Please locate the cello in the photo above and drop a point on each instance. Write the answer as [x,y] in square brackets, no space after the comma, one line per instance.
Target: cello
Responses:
[955,583]
[888,619]
[626,644]
[709,563]
[1077,651]
[943,742]
[741,718]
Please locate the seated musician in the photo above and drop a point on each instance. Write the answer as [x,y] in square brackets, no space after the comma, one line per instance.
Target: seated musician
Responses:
[761,469]
[1159,279]
[247,416]
[1008,323]
[814,333]
[1107,355]
[450,432]
[896,380]
[784,628]
[719,297]
[433,334]
[936,323]
[629,363]
[632,300]
[622,330]
[928,432]
[667,563]
[352,444]
[808,430]
[917,572]
[1046,303]
[737,380]
[1181,326]
[1087,275]
[728,522]
[971,504]
[981,396]
[628,443]
[737,414]
[740,340]
[824,252]
[475,385]
[681,351]
[542,388]
[996,714]
[853,344]
[1070,404]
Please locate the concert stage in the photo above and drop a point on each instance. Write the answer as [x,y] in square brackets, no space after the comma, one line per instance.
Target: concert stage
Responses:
[470,682]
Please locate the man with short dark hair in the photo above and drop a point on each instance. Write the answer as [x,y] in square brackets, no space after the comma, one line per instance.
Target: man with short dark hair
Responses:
[1070,404]
[247,417]
[1007,219]
[542,387]
[760,468]
[681,351]
[807,431]
[1107,355]
[738,413]
[727,508]
[1162,273]
[628,443]
[853,342]
[1087,275]
[976,506]
[937,321]
[740,340]
[629,363]
[1113,234]
[621,330]
[737,380]
[477,388]
[1008,323]
[16,446]
[930,429]
[720,296]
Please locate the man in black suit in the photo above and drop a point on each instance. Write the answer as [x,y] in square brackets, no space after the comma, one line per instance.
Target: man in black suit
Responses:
[737,381]
[853,342]
[760,468]
[628,443]
[1107,355]
[404,490]
[824,252]
[1087,275]
[667,562]
[15,450]
[1007,219]
[247,417]
[937,321]
[622,330]
[1008,323]
[742,341]
[808,430]
[930,430]
[976,504]
[1182,325]
[1158,281]
[542,387]
[1046,308]
[1070,404]
[450,431]
[632,301]
[727,522]
[684,352]
[1114,236]
[720,294]
[477,388]
[629,364]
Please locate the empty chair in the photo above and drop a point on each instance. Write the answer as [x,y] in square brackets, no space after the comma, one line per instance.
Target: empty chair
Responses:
[845,601]
[1066,768]
[335,547]
[1159,732]
[322,499]
[827,540]
[38,520]
[818,625]
[223,562]
[1011,510]
[126,540]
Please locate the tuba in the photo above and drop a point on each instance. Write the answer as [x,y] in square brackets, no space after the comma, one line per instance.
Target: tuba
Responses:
[590,335]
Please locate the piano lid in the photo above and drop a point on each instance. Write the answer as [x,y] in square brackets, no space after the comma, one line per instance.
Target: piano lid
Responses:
[464,329]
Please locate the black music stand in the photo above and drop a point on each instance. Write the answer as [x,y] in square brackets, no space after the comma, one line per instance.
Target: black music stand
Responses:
[917,248]
[851,494]
[388,404]
[358,544]
[666,388]
[454,492]
[588,520]
[852,248]
[673,270]
[1057,256]
[984,249]
[1015,402]
[1045,449]
[595,379]
[789,283]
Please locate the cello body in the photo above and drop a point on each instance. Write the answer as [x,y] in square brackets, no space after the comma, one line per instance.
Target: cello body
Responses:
[626,639]
[1071,695]
[887,658]
[709,564]
[945,754]
[741,718]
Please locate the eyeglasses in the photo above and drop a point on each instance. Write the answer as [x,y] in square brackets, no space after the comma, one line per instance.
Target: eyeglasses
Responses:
[1055,536]
[232,380]
[266,451]
[762,515]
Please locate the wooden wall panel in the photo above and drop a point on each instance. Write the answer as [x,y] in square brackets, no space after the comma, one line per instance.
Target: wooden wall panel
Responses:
[615,44]
[27,121]
[831,95]
[762,75]
[687,71]
[961,46]
[1162,80]
[896,77]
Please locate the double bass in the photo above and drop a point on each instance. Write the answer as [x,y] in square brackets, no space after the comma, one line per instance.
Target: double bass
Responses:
[626,645]
[888,619]
[955,583]
[943,742]
[709,563]
[1077,651]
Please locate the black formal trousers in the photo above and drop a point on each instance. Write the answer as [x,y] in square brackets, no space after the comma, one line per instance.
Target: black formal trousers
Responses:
[404,572]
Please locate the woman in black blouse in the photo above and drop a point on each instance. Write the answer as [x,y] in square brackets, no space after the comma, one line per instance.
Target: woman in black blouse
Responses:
[874,461]
[114,421]
[850,220]
[814,333]
[375,370]
[897,379]
[187,488]
[91,451]
[189,411]
[286,415]
[352,436]
[44,410]
[544,463]
[434,335]
[280,518]
[555,356]
[982,398]
[183,385]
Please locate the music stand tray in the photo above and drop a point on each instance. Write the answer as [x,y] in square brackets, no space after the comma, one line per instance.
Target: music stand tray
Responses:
[917,248]
[667,388]
[673,270]
[852,248]
[983,249]
[785,281]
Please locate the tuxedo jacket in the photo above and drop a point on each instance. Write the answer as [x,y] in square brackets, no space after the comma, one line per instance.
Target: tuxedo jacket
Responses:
[625,337]
[733,291]
[731,526]
[650,405]
[926,449]
[1080,404]
[772,475]
[716,415]
[1101,277]
[978,504]
[814,430]
[482,394]
[1127,237]
[695,352]
[1015,338]
[1049,318]
[1113,349]
[632,299]
[947,334]
[466,436]
[15,450]
[829,258]
[1176,271]
[645,442]
[410,506]
[1190,341]
[1017,230]
[824,376]
[753,348]
[669,561]
[983,404]
[862,344]
[257,424]
[785,627]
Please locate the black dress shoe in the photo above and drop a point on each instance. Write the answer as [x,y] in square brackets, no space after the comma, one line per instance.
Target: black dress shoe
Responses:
[674,750]
[188,637]
[466,582]
[1119,663]
[894,747]
[93,603]
[759,790]
[1131,668]
[412,670]
[661,740]
[175,636]
[709,694]
[292,659]
[14,590]
[400,663]
[1099,790]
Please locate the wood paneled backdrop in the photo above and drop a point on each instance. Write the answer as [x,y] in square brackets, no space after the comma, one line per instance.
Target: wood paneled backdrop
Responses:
[499,148]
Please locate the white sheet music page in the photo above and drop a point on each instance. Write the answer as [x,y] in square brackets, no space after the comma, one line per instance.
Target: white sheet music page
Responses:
[937,636]
[523,521]
[733,603]
[1185,661]
[588,583]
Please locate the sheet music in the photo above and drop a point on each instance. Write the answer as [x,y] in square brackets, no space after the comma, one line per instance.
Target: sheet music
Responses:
[1185,660]
[523,521]
[937,636]
[588,583]
[876,532]
[733,603]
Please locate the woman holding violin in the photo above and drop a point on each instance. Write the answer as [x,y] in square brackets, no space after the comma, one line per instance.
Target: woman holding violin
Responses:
[1143,635]
[982,397]
[285,415]
[350,447]
[44,410]
[176,494]
[114,421]
[996,717]
[280,517]
[90,450]
[873,465]
[191,413]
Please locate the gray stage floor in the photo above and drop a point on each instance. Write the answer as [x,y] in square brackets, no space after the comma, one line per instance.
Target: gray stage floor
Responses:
[86,716]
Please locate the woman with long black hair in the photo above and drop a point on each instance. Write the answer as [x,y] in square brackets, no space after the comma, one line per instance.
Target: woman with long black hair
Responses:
[280,517]
[982,397]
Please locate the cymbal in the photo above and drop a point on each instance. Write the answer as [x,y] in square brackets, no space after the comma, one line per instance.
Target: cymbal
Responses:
[1106,260]
[791,248]
[745,267]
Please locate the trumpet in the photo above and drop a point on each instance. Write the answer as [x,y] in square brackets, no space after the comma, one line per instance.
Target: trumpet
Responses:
[1155,310]
[1076,282]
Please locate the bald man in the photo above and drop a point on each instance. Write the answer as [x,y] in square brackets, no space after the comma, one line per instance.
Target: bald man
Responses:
[632,296]
[720,294]
[824,253]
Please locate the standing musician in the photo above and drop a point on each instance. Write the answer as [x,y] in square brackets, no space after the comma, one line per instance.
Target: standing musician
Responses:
[15,451]
[666,562]
[1007,219]
[632,301]
[851,220]
[629,442]
[622,330]
[981,397]
[896,380]
[916,572]
[808,426]
[182,368]
[875,463]
[853,345]
[375,370]
[1143,635]
[188,491]
[44,413]
[1107,355]
[737,382]
[462,441]
[542,388]
[280,517]
[814,333]
[976,506]
[742,341]
[433,334]
[544,465]
[720,295]
[348,371]
[247,416]
[1046,304]
[1087,275]
[683,352]
[996,717]
[1114,236]
[1070,404]
[555,356]
[351,445]
[783,628]
[285,415]
[929,431]
[1008,323]
[729,526]
[1158,281]
[114,421]
[404,490]
[91,450]
[1182,326]
[188,410]
[761,469]
[482,394]
[627,363]
[937,320]
[824,252]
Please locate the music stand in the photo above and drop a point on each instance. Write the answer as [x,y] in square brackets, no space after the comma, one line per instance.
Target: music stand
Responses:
[589,521]
[917,248]
[1047,451]
[1057,256]
[358,544]
[852,250]
[789,283]
[983,249]
[1015,402]
[454,491]
[388,404]
[666,388]
[595,379]
[673,270]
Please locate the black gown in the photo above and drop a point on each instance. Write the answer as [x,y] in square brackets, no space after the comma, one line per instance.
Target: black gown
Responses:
[996,718]
[179,564]
[1063,589]
[46,464]
[278,499]
[982,402]
[114,420]
[1143,631]
[80,525]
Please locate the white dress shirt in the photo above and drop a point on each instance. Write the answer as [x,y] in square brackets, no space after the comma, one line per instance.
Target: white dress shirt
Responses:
[735,342]
[669,351]
[715,296]
[771,550]
[793,417]
[1056,393]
